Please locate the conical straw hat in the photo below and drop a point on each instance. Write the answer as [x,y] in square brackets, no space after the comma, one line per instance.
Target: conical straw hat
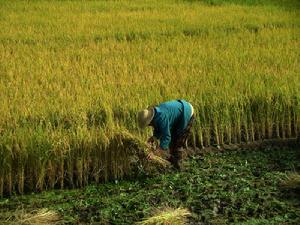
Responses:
[145,117]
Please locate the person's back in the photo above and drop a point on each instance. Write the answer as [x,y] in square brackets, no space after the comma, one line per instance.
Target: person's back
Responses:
[172,110]
[170,120]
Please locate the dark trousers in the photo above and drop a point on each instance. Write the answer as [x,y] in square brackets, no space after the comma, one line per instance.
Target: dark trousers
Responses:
[179,142]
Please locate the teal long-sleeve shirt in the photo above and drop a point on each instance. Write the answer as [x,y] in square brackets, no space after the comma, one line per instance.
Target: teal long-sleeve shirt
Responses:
[170,120]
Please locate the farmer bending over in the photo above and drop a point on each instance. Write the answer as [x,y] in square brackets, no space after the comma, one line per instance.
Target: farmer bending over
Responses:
[172,122]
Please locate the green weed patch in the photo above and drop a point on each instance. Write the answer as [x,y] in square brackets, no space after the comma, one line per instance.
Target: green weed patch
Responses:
[237,187]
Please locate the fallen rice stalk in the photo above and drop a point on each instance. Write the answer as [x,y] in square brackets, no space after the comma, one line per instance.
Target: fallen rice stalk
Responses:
[39,217]
[167,217]
[141,148]
[292,182]
[160,160]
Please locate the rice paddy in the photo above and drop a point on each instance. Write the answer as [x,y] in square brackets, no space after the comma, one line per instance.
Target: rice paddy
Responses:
[73,75]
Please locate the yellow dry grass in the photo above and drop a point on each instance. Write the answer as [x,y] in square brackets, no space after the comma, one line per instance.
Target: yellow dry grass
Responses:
[291,182]
[167,216]
[37,217]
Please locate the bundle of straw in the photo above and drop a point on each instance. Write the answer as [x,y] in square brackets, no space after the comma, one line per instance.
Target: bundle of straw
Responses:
[141,149]
[292,182]
[167,217]
[160,160]
[37,217]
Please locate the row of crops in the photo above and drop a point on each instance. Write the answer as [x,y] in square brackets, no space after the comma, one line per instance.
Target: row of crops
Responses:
[73,75]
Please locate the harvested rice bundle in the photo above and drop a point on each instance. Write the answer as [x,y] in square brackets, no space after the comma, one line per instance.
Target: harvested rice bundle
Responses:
[160,160]
[140,148]
[167,217]
[292,182]
[38,217]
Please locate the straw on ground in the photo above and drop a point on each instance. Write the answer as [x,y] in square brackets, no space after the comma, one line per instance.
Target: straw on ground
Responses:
[167,216]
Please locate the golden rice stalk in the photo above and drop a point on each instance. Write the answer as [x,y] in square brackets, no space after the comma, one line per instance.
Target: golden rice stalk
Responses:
[140,147]
[1,185]
[292,182]
[39,217]
[167,217]
[160,160]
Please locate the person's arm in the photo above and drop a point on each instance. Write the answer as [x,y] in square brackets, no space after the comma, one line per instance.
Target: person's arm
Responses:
[162,132]
[156,132]
[155,135]
[165,134]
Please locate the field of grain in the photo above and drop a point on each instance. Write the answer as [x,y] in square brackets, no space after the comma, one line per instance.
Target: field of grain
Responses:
[73,74]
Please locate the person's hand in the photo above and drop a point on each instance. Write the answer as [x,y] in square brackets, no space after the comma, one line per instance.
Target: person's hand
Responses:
[150,156]
[157,152]
[151,140]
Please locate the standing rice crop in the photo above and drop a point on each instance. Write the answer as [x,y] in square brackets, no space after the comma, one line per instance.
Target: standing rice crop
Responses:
[72,77]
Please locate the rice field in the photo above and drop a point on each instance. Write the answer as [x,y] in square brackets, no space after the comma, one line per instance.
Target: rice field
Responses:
[73,74]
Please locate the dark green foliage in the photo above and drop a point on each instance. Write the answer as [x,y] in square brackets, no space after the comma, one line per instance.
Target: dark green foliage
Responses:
[234,187]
